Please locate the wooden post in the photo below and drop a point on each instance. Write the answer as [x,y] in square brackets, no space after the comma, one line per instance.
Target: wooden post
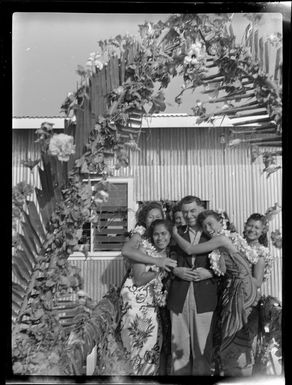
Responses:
[277,64]
[267,67]
[261,52]
[256,41]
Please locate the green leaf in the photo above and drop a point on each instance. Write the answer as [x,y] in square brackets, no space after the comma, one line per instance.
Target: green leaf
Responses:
[30,163]
[50,283]
[35,219]
[84,168]
[26,273]
[22,255]
[20,275]
[37,314]
[33,231]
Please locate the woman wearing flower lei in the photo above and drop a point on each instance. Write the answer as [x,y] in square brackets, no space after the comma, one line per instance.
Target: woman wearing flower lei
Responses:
[244,345]
[132,251]
[230,257]
[143,294]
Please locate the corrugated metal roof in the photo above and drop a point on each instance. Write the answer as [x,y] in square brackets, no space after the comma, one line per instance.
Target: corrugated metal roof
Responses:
[182,120]
[148,121]
[34,122]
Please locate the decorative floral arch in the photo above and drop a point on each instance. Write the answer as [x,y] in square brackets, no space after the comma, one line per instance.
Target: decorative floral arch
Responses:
[187,45]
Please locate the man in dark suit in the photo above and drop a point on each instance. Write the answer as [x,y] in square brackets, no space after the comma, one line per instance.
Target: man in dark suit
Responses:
[192,300]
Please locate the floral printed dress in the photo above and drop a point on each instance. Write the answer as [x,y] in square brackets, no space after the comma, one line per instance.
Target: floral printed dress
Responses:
[141,330]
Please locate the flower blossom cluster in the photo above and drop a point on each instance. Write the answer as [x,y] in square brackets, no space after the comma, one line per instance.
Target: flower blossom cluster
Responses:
[93,62]
[139,230]
[61,146]
[196,55]
[215,258]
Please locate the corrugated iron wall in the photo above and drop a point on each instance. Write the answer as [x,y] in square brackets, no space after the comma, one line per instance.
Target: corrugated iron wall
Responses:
[173,163]
[100,274]
[24,148]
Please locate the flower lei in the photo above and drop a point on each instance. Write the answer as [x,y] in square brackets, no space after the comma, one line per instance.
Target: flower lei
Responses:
[139,230]
[264,252]
[159,292]
[240,244]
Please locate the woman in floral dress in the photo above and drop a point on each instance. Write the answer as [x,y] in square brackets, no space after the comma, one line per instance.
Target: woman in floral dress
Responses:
[142,294]
[238,355]
[230,257]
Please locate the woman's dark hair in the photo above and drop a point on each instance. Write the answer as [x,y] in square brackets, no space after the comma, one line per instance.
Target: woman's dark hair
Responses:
[144,210]
[207,213]
[220,217]
[168,225]
[176,208]
[263,239]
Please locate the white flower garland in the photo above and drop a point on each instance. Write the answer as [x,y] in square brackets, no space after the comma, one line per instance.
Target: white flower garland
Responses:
[159,294]
[215,257]
[264,252]
[240,244]
[139,230]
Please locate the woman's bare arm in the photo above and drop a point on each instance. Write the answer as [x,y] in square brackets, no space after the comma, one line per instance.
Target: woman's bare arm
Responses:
[205,247]
[141,276]
[258,272]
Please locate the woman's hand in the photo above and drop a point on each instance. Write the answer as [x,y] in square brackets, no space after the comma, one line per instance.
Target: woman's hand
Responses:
[201,273]
[165,263]
[185,273]
[174,231]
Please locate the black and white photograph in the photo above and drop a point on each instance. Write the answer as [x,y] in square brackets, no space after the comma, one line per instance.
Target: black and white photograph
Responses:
[147,194]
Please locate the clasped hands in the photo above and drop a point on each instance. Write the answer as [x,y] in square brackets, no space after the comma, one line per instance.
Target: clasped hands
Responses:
[166,263]
[189,274]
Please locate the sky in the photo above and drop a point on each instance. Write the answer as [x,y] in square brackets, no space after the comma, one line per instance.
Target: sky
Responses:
[48,47]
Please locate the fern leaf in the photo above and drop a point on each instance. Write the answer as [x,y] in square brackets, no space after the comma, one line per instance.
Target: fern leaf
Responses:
[35,219]
[32,232]
[20,275]
[21,254]
[27,249]
[17,288]
[22,266]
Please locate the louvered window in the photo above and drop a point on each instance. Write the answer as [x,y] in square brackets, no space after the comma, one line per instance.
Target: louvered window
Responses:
[115,219]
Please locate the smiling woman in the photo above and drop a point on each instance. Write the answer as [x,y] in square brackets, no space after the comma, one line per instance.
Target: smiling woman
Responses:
[143,293]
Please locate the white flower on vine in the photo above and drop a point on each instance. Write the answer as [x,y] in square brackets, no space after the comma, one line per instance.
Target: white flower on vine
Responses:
[197,50]
[187,60]
[98,64]
[61,145]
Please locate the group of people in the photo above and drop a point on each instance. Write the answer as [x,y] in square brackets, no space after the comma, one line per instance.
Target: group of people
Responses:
[189,302]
